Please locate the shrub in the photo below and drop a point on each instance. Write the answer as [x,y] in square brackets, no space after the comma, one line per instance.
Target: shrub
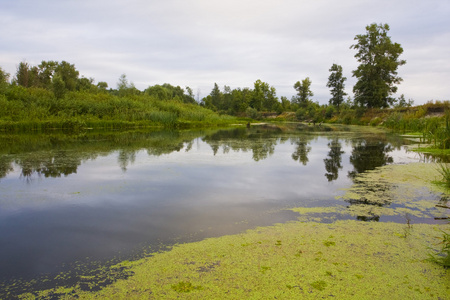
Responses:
[252,113]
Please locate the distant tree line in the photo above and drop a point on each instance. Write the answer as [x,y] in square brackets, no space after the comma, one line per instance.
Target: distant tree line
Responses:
[376,83]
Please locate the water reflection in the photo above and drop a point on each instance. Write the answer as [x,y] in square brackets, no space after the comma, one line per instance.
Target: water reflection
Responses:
[302,149]
[58,155]
[333,162]
[368,154]
[100,193]
[260,141]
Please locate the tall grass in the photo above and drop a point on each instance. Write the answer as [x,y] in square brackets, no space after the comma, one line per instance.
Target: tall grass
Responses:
[443,257]
[38,109]
[433,130]
[444,170]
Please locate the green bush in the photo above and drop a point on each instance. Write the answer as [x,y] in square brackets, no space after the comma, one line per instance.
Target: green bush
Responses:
[253,113]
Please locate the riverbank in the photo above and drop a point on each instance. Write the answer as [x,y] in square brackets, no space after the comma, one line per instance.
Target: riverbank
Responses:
[347,259]
[36,110]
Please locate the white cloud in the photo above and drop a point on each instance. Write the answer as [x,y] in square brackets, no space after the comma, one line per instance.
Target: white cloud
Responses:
[199,42]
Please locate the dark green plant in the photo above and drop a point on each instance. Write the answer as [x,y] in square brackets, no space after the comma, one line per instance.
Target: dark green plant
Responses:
[319,285]
[185,287]
[444,170]
[443,257]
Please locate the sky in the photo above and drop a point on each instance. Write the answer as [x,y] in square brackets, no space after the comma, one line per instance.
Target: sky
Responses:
[197,43]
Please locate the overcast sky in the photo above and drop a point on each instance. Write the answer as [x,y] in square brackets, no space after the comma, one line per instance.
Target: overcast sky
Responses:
[197,43]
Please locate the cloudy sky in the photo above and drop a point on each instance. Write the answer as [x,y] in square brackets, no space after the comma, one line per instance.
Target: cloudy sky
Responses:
[197,43]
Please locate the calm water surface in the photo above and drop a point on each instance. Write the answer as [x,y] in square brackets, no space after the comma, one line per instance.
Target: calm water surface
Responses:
[95,196]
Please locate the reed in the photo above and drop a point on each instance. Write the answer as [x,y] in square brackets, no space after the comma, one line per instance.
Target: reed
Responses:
[443,257]
[444,170]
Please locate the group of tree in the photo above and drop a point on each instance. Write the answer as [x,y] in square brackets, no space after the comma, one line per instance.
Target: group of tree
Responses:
[376,75]
[261,98]
[62,77]
[376,82]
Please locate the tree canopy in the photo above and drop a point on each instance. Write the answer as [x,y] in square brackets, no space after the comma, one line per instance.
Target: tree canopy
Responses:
[336,81]
[303,91]
[377,73]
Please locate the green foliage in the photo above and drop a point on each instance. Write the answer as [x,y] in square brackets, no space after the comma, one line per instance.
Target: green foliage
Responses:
[59,87]
[313,112]
[401,102]
[4,77]
[159,92]
[303,92]
[39,109]
[336,81]
[68,74]
[434,130]
[444,170]
[329,112]
[377,72]
[51,75]
[126,88]
[264,97]
[253,113]
[169,92]
[237,101]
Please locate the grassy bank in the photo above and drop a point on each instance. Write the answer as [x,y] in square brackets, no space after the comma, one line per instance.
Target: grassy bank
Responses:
[26,109]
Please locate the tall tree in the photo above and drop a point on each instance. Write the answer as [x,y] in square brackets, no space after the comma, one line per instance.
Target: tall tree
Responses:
[46,72]
[23,74]
[377,73]
[68,74]
[216,97]
[126,88]
[59,87]
[4,77]
[264,96]
[337,84]
[303,92]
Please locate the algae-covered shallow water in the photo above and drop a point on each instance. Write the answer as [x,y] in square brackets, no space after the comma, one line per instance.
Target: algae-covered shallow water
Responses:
[70,202]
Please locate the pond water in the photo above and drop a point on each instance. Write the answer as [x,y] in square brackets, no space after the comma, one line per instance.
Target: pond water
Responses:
[66,199]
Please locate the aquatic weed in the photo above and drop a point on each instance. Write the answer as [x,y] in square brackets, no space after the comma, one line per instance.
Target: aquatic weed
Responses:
[329,243]
[319,285]
[185,287]
[444,170]
[443,257]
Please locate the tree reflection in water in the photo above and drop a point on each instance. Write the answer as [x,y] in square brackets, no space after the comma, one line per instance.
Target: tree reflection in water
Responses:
[333,163]
[369,154]
[261,141]
[302,150]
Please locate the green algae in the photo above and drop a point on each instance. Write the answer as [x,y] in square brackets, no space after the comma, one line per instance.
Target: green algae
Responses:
[396,190]
[404,191]
[367,261]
